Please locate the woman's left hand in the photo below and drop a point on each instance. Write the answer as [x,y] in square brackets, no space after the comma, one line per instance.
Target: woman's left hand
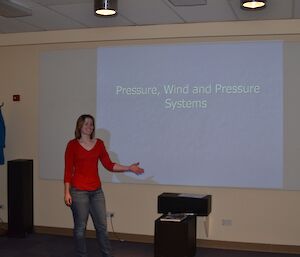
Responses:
[136,169]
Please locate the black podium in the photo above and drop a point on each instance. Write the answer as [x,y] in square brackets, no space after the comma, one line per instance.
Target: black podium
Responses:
[20,197]
[173,236]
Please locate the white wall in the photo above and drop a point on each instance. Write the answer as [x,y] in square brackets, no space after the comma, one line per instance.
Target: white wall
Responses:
[259,216]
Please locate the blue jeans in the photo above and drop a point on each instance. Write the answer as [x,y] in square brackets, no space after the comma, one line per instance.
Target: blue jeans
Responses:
[83,204]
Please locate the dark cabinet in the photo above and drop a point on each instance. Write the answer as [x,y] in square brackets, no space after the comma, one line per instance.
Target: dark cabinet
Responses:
[20,197]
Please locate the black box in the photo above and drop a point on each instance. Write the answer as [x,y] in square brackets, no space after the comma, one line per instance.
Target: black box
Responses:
[199,205]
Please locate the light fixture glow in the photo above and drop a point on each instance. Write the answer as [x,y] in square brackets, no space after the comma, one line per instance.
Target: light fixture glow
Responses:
[105,12]
[105,7]
[253,4]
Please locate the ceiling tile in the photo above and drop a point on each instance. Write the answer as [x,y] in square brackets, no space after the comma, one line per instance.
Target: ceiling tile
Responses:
[296,10]
[47,19]
[8,25]
[147,12]
[62,2]
[215,10]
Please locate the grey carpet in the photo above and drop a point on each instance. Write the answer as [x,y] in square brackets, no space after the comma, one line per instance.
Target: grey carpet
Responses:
[38,245]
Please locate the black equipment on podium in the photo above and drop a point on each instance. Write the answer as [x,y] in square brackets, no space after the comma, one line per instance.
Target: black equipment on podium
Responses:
[175,230]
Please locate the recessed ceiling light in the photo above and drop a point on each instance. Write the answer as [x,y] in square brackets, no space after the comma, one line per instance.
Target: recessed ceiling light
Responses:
[253,4]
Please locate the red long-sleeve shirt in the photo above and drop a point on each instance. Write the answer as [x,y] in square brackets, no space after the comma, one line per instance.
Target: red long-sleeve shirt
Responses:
[81,165]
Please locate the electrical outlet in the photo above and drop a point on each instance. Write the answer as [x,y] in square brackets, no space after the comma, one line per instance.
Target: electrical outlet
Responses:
[110,214]
[226,222]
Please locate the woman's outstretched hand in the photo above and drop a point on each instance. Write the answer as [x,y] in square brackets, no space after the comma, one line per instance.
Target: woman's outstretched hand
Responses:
[136,169]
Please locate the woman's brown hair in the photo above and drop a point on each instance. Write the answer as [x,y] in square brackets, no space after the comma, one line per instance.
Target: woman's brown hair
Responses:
[79,125]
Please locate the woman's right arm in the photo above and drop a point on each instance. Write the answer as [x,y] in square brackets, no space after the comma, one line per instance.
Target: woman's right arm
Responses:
[68,173]
[68,197]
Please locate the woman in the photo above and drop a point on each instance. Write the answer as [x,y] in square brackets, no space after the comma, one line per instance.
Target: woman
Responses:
[83,192]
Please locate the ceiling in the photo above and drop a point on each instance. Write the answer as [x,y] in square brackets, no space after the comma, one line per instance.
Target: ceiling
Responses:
[48,15]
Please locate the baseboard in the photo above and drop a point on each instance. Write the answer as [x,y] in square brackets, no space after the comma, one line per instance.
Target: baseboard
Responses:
[257,247]
[92,234]
[293,249]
